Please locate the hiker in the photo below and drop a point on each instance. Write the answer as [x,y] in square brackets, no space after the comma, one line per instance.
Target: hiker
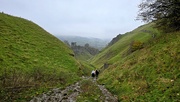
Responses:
[97,73]
[93,73]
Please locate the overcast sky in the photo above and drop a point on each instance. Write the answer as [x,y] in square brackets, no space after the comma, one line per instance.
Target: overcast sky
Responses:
[91,18]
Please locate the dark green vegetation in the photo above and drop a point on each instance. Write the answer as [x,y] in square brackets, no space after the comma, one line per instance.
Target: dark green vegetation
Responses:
[166,13]
[32,60]
[143,65]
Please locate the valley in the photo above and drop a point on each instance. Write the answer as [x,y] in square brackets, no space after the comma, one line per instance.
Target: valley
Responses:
[35,66]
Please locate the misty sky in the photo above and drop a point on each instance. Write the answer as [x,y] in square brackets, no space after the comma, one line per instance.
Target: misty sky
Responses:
[91,18]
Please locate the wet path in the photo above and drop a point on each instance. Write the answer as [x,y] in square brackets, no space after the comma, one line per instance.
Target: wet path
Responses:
[70,93]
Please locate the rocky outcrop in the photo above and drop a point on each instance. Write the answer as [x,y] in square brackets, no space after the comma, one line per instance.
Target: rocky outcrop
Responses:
[114,40]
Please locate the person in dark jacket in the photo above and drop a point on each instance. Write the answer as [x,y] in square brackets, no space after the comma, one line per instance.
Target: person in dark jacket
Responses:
[97,73]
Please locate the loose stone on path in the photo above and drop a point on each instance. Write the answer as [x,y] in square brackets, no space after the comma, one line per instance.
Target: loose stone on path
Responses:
[70,93]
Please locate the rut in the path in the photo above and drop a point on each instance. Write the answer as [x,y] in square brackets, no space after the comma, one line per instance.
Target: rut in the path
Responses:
[70,93]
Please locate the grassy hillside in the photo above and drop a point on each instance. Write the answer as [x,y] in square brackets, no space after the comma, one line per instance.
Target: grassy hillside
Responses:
[151,73]
[116,51]
[30,57]
[84,56]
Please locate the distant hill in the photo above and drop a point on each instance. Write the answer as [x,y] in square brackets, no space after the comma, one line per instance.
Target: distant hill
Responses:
[83,53]
[31,58]
[94,42]
[142,65]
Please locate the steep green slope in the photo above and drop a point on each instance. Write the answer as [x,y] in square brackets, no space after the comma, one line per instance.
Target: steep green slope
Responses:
[116,51]
[151,73]
[30,56]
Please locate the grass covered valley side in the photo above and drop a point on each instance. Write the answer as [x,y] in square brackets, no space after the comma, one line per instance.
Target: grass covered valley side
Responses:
[142,65]
[32,60]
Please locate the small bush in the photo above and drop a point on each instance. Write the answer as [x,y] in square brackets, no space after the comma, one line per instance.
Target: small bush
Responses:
[135,45]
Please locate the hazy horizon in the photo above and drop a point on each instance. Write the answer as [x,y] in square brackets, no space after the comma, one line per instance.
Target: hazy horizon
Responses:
[82,37]
[97,19]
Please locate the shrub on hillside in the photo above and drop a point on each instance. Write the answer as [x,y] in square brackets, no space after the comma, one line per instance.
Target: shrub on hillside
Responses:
[135,45]
[164,12]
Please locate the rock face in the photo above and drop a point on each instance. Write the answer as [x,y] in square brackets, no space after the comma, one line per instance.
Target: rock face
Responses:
[70,93]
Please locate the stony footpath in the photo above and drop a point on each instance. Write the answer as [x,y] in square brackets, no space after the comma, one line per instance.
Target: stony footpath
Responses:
[70,93]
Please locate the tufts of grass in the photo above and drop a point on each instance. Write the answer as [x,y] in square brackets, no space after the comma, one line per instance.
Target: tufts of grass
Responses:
[90,92]
[149,74]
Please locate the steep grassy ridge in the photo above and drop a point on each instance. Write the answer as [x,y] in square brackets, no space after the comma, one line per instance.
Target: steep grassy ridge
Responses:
[30,56]
[116,51]
[149,74]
